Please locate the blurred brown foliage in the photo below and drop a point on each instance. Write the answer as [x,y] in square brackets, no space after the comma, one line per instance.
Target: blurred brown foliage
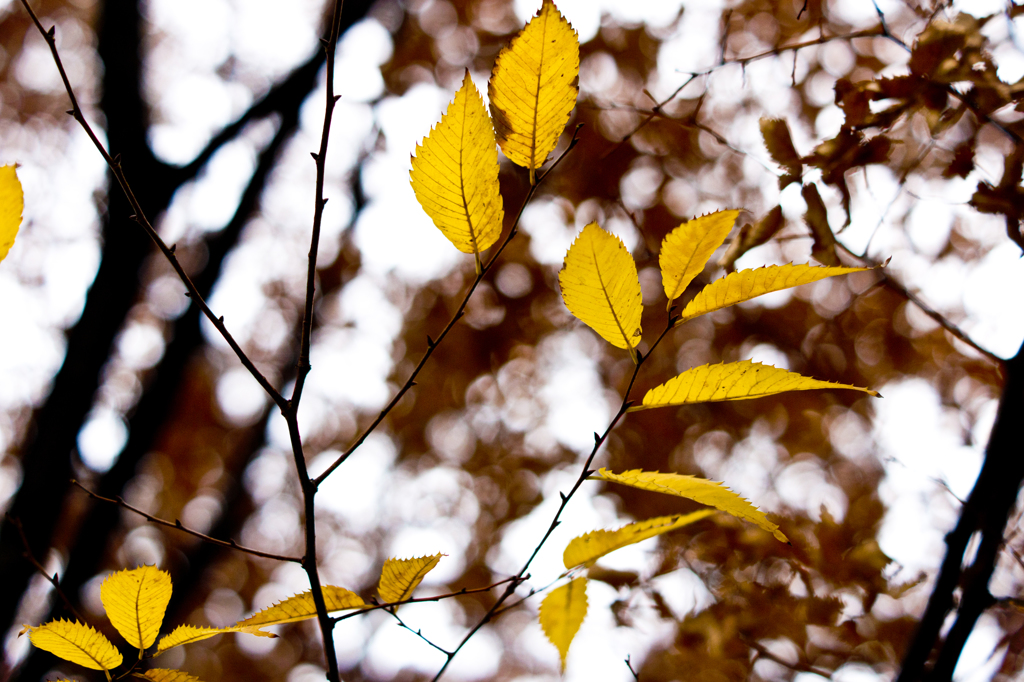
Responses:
[774,611]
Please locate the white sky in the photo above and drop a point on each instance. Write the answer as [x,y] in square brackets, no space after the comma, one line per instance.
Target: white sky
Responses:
[44,280]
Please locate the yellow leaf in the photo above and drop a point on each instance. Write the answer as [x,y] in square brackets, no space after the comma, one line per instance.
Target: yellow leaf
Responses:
[135,601]
[600,286]
[455,174]
[747,284]
[12,203]
[732,381]
[400,577]
[187,634]
[533,88]
[586,549]
[686,250]
[76,643]
[562,612]
[711,493]
[296,608]
[164,675]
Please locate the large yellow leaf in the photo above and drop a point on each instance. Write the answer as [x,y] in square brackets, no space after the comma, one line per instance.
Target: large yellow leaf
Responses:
[562,612]
[399,577]
[186,634]
[12,203]
[533,88]
[135,601]
[686,250]
[76,643]
[588,548]
[732,381]
[600,286]
[299,607]
[711,493]
[455,174]
[164,675]
[747,284]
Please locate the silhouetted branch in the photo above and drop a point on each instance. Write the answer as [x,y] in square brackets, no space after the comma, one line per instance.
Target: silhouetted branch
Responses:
[53,580]
[584,475]
[177,525]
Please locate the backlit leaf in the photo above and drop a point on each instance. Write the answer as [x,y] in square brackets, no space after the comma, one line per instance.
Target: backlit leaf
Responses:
[732,381]
[711,493]
[164,675]
[533,88]
[135,601]
[186,634]
[12,203]
[75,642]
[400,577]
[744,285]
[296,608]
[600,286]
[562,612]
[586,549]
[686,250]
[455,174]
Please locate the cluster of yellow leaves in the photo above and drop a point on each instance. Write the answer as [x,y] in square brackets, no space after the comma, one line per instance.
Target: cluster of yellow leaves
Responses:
[600,286]
[136,600]
[12,203]
[532,91]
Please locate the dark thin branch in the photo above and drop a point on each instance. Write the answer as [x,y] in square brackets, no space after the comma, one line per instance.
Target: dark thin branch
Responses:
[114,163]
[743,61]
[52,579]
[433,343]
[290,408]
[892,283]
[585,473]
[423,600]
[177,525]
[635,674]
[419,634]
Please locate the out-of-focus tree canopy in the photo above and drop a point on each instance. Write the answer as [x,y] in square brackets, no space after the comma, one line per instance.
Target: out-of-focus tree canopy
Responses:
[847,133]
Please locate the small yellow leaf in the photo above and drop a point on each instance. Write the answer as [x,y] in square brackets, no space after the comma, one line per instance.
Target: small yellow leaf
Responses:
[186,634]
[76,643]
[744,285]
[562,612]
[686,250]
[400,577]
[711,493]
[296,608]
[164,675]
[600,286]
[135,601]
[533,88]
[12,203]
[455,174]
[733,381]
[588,548]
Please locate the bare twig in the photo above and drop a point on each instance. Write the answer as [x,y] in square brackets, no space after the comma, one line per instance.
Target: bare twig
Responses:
[418,633]
[892,283]
[635,674]
[433,343]
[797,667]
[52,579]
[585,473]
[177,525]
[423,600]
[114,163]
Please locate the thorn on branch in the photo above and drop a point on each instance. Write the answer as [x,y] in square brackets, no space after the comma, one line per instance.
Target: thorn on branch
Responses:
[562,495]
[174,247]
[430,341]
[51,32]
[597,437]
[70,112]
[336,98]
[316,157]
